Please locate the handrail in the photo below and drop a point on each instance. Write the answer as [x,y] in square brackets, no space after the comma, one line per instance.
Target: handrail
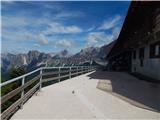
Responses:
[62,67]
[41,68]
[70,72]
[18,78]
[17,90]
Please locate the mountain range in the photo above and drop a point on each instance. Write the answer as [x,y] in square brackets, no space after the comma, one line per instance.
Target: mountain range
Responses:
[34,59]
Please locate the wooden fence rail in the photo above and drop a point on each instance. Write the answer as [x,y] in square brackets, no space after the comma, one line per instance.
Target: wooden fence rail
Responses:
[39,79]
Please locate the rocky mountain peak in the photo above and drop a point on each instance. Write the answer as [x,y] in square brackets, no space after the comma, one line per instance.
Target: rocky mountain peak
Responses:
[34,58]
[64,52]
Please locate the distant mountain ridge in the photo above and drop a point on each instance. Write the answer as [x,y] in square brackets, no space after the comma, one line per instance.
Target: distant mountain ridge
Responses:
[29,60]
[90,53]
[34,59]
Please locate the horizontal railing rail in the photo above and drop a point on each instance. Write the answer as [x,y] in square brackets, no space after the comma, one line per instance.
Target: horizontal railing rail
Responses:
[42,75]
[17,78]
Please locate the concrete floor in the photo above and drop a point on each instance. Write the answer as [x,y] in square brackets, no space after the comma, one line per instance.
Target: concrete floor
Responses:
[79,98]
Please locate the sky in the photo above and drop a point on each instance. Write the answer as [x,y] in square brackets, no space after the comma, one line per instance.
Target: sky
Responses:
[54,26]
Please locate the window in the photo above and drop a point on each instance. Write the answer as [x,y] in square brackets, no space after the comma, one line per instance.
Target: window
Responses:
[155,50]
[134,54]
[141,56]
[141,53]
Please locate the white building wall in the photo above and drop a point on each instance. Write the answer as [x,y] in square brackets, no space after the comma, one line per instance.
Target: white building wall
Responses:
[151,66]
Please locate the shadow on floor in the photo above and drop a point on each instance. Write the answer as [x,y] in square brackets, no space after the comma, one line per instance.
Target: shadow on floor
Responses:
[139,93]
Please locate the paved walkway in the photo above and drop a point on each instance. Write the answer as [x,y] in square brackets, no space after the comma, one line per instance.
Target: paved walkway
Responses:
[79,98]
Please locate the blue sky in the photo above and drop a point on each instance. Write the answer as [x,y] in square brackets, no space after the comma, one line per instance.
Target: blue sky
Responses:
[54,26]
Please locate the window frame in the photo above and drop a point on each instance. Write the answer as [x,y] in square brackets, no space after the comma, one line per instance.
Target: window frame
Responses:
[134,55]
[141,52]
[152,50]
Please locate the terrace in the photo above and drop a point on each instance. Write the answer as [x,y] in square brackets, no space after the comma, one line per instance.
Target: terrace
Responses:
[95,94]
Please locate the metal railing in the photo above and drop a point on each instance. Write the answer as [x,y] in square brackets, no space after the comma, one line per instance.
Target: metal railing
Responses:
[34,81]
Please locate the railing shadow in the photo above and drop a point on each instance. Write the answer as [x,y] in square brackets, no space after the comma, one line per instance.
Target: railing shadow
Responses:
[137,92]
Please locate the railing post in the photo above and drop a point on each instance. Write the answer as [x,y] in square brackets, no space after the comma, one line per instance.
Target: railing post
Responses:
[69,72]
[40,86]
[88,68]
[77,71]
[22,93]
[82,70]
[59,69]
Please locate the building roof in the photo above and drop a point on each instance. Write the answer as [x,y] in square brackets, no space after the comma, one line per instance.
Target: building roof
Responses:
[137,25]
[107,48]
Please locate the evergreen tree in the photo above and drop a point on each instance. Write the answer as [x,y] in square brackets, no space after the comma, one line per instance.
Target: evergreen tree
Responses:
[16,72]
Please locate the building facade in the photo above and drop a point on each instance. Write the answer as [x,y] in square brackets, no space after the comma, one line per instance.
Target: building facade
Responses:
[137,48]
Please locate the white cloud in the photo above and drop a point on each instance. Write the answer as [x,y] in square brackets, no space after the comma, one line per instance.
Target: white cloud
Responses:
[91,28]
[36,45]
[56,7]
[41,39]
[24,28]
[116,32]
[23,35]
[59,29]
[9,22]
[110,23]
[12,21]
[101,38]
[15,28]
[64,43]
[69,14]
[72,29]
[20,33]
[95,37]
